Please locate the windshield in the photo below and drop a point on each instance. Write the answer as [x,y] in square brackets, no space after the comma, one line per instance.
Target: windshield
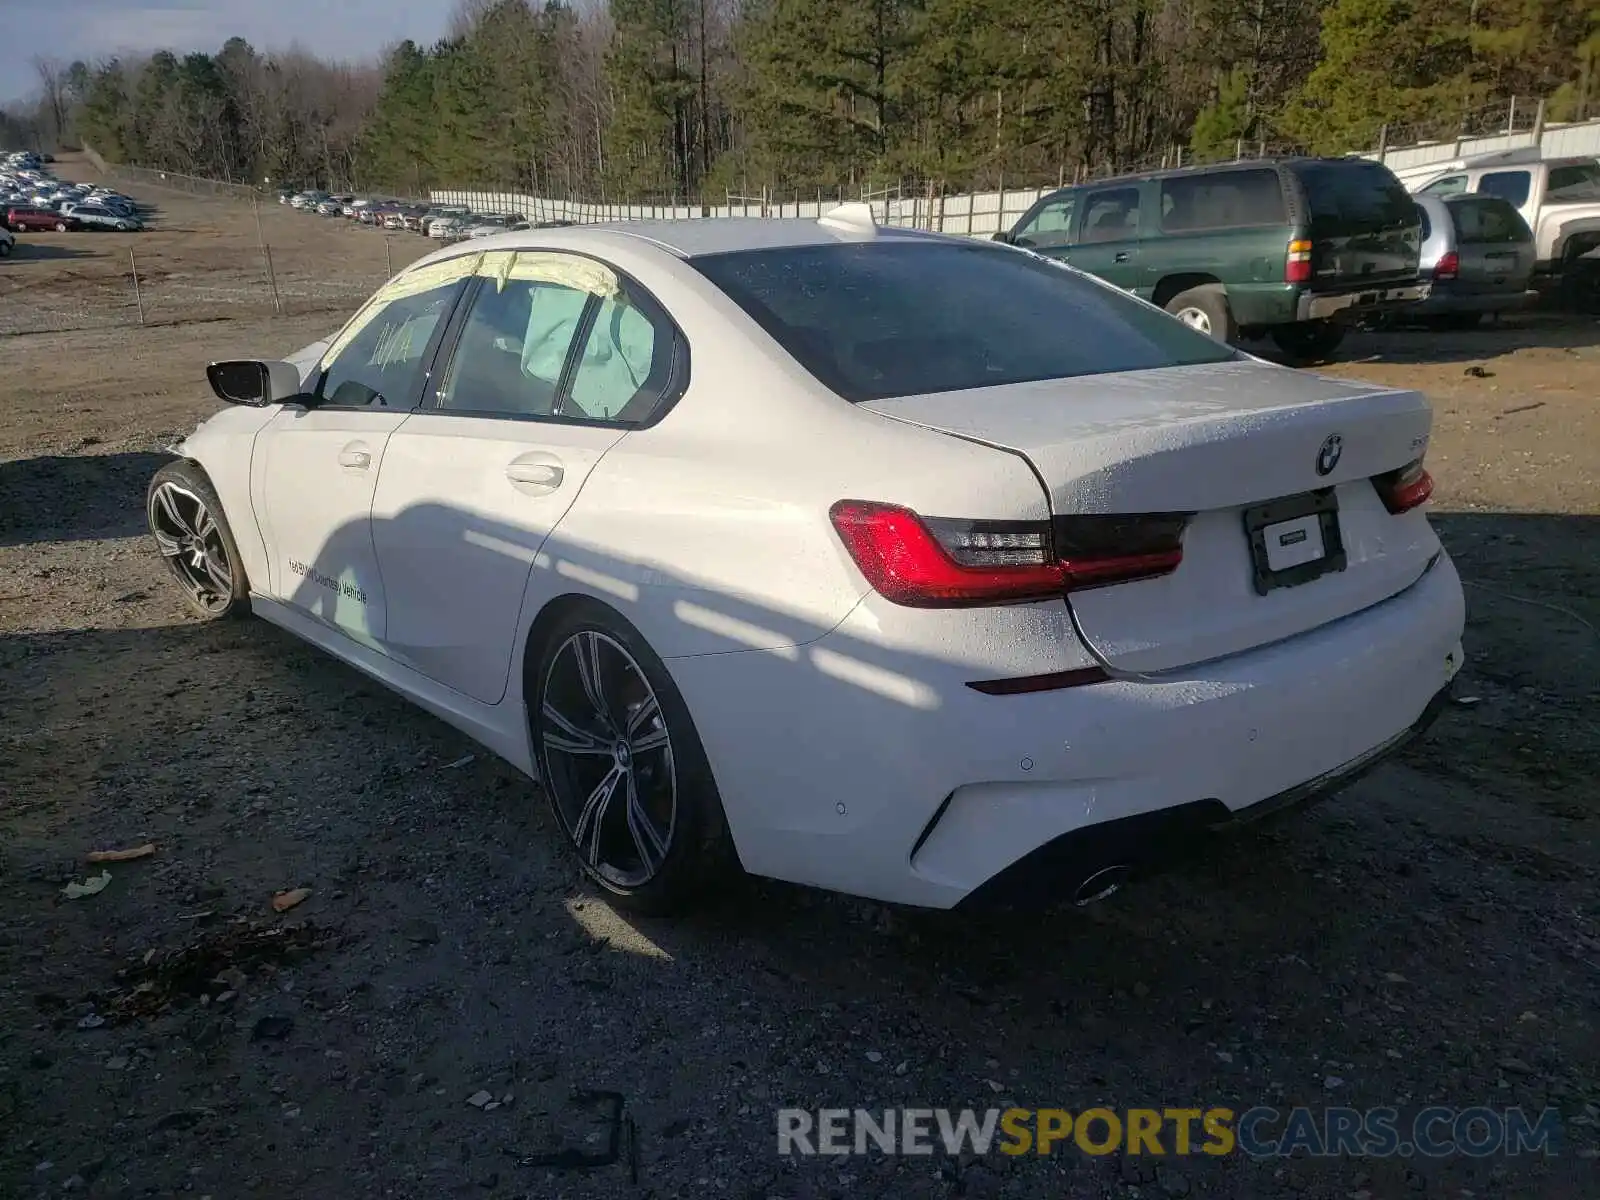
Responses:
[905,317]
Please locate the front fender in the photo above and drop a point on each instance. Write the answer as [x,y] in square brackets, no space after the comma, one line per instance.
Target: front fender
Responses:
[222,446]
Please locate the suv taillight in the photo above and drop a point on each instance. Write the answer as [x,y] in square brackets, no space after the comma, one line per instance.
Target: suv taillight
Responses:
[1448,266]
[1297,267]
[1404,489]
[933,562]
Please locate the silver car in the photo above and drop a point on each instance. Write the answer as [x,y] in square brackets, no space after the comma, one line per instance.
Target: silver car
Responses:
[98,216]
[1478,253]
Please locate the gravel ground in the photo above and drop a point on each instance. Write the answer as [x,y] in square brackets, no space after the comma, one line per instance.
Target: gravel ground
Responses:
[1428,937]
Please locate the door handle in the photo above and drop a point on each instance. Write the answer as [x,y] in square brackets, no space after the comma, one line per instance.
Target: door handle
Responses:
[358,457]
[1120,256]
[538,474]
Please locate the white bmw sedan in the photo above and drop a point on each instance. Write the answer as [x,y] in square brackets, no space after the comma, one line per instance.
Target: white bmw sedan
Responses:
[913,567]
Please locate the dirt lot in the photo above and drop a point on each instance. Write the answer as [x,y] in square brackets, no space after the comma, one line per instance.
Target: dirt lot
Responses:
[200,259]
[1430,937]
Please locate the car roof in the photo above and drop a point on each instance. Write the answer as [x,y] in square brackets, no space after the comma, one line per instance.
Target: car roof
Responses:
[692,237]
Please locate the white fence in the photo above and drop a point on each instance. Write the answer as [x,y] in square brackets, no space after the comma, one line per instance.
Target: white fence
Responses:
[976,214]
[1554,141]
[971,214]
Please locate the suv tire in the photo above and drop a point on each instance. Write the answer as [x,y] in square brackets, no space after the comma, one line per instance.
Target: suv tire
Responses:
[1206,309]
[1308,342]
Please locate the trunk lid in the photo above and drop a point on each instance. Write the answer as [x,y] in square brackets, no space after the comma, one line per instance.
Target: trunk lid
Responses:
[1363,225]
[1219,442]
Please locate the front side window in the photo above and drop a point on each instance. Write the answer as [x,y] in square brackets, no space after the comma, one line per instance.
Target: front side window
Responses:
[1508,185]
[901,317]
[1574,178]
[378,361]
[1051,225]
[559,336]
[513,348]
[1450,185]
[1111,215]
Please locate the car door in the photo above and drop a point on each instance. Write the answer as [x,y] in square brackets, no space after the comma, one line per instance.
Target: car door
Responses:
[557,357]
[316,465]
[1107,242]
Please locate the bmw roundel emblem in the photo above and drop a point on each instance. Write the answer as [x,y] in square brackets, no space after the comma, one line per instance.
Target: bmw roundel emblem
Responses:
[1328,456]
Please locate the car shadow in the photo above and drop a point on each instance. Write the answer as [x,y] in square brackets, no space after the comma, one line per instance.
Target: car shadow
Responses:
[30,251]
[73,497]
[1572,334]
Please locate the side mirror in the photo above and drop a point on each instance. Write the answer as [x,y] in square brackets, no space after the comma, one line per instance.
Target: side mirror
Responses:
[253,381]
[1002,236]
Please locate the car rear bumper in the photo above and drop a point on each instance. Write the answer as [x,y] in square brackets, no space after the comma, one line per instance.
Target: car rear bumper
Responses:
[1086,863]
[1315,306]
[874,771]
[1443,301]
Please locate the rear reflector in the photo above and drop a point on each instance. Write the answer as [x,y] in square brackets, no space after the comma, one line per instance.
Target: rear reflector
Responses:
[1404,489]
[1297,267]
[1053,682]
[1448,267]
[937,562]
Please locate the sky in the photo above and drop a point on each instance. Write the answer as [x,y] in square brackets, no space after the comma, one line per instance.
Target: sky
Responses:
[90,29]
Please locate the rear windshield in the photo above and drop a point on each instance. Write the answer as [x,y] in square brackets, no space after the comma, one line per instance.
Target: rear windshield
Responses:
[900,318]
[1487,220]
[1351,196]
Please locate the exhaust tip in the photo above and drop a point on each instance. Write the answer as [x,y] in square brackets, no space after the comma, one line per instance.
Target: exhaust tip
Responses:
[1100,885]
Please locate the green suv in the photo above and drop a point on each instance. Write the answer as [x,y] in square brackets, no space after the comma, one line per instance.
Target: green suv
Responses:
[1296,248]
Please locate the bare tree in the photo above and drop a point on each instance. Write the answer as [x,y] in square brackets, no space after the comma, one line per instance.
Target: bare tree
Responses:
[53,96]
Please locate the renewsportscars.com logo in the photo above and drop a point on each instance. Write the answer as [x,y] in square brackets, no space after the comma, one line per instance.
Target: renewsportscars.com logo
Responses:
[1435,1132]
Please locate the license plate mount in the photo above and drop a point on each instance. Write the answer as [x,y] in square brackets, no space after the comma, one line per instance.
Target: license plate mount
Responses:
[1294,540]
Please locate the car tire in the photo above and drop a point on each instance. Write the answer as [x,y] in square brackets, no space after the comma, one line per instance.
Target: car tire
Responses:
[1207,310]
[602,708]
[122,227]
[193,537]
[61,226]
[1308,342]
[5,248]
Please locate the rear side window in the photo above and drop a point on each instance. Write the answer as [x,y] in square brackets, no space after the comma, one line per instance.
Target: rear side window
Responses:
[1223,200]
[1508,185]
[1488,220]
[904,317]
[1353,196]
[1111,215]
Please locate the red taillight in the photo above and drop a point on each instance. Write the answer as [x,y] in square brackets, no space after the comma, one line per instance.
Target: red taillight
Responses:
[1448,266]
[1404,489]
[938,563]
[1297,267]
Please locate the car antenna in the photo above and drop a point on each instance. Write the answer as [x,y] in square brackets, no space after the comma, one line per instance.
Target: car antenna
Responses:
[854,219]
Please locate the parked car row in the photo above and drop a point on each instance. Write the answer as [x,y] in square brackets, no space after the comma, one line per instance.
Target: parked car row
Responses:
[31,197]
[445,222]
[1301,249]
